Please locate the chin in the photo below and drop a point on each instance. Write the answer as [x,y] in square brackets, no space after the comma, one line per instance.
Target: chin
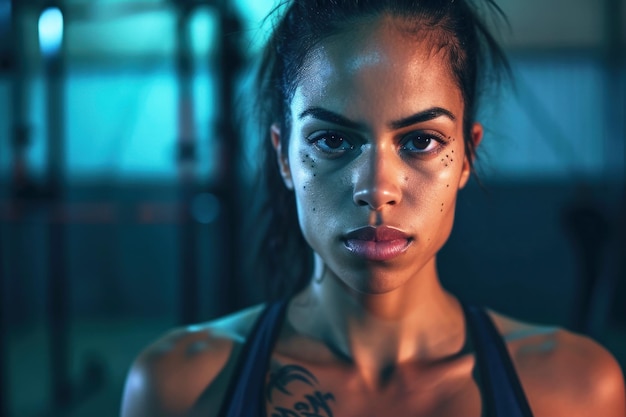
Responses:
[372,285]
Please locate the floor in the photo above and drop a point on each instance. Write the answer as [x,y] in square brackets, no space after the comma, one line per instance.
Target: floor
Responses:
[102,351]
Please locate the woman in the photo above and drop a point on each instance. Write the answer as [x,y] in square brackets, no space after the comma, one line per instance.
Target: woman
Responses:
[370,109]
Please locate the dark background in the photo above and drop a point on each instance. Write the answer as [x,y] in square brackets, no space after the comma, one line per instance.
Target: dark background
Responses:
[126,180]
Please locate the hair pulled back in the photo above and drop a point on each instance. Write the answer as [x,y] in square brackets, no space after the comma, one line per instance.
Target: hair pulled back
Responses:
[453,26]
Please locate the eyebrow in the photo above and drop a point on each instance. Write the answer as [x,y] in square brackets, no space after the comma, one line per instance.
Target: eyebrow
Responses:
[331,117]
[422,116]
[419,117]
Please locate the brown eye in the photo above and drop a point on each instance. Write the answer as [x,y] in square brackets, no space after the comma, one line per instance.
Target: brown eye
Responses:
[331,142]
[421,142]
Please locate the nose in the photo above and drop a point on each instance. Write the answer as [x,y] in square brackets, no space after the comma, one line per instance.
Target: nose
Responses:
[377,180]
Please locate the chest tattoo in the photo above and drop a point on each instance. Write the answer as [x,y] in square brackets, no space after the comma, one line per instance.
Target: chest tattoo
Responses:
[312,403]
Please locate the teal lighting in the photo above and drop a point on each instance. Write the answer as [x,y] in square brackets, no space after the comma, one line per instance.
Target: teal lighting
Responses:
[50,31]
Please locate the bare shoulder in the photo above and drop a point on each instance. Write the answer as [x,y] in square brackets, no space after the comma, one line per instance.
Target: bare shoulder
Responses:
[563,373]
[186,371]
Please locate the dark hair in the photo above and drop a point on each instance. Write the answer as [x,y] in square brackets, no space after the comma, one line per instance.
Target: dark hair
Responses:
[453,26]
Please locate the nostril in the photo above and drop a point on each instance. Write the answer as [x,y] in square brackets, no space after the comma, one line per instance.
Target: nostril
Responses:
[376,198]
[373,204]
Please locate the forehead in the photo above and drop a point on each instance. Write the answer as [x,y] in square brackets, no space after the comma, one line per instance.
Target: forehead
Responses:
[378,63]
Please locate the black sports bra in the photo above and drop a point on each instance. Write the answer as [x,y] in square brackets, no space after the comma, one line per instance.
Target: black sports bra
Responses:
[501,391]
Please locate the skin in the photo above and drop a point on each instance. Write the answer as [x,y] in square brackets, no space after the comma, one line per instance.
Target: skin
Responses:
[370,337]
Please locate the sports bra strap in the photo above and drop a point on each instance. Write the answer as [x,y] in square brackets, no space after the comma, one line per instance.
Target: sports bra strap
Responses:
[502,392]
[244,396]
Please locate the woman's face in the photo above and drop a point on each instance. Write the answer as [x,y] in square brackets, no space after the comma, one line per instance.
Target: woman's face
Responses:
[376,155]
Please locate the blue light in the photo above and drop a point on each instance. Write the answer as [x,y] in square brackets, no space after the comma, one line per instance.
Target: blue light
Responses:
[50,31]
[5,17]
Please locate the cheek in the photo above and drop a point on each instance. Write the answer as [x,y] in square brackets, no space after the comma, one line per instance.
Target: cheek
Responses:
[446,184]
[305,171]
[438,187]
[323,195]
[306,179]
[448,156]
[451,163]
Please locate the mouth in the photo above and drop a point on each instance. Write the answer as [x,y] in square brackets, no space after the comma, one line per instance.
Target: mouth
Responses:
[377,243]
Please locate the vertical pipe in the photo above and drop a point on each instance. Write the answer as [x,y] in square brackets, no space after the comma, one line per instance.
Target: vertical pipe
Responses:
[58,289]
[17,184]
[614,87]
[186,159]
[4,385]
[615,102]
[20,182]
[229,148]
[5,20]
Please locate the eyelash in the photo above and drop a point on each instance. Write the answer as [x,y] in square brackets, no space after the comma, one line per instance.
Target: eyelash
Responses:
[318,140]
[439,141]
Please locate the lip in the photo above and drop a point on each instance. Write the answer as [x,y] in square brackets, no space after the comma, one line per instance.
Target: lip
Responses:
[377,243]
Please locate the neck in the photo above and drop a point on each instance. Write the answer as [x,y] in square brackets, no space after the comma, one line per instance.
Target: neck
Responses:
[418,321]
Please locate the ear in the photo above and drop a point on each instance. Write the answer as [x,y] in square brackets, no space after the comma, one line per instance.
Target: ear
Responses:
[477,136]
[283,160]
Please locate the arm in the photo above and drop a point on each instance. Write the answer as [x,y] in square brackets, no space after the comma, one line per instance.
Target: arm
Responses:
[609,395]
[186,372]
[141,396]
[562,373]
[569,375]
[182,374]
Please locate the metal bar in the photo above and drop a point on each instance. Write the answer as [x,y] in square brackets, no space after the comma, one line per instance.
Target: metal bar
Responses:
[615,104]
[58,290]
[4,351]
[230,61]
[20,181]
[17,182]
[614,86]
[186,159]
[4,382]
[6,54]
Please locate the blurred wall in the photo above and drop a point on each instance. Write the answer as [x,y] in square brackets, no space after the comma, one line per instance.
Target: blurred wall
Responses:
[554,140]
[120,209]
